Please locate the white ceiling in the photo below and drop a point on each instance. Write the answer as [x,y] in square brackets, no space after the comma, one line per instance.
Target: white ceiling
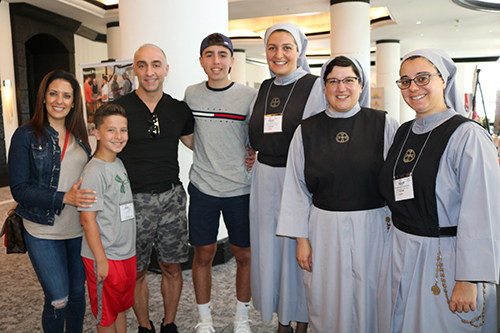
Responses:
[463,33]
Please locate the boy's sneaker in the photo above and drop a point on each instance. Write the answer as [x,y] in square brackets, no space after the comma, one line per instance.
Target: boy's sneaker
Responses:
[241,325]
[169,328]
[145,330]
[205,326]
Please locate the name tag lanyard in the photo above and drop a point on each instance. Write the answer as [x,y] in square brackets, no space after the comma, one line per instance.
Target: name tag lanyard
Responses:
[273,122]
[403,187]
[65,145]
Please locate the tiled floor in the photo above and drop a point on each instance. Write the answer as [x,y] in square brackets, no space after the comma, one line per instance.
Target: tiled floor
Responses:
[21,297]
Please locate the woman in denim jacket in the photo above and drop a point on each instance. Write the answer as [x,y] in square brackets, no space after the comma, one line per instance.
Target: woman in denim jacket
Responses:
[46,158]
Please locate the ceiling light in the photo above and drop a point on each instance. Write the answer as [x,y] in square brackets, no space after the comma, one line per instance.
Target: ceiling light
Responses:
[109,2]
[318,52]
[378,12]
[309,23]
[86,7]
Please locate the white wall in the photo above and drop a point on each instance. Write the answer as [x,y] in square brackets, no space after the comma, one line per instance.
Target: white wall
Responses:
[7,73]
[87,51]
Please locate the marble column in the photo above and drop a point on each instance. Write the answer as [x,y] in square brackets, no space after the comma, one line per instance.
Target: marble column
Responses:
[239,69]
[113,40]
[350,30]
[387,66]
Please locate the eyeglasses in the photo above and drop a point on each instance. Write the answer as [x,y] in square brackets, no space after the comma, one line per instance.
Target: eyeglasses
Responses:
[348,81]
[420,80]
[154,130]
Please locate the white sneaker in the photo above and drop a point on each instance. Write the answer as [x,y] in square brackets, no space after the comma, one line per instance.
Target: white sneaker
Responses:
[205,326]
[241,325]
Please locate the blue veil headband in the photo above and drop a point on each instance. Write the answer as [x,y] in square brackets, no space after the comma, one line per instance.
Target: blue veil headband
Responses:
[300,40]
[364,97]
[448,70]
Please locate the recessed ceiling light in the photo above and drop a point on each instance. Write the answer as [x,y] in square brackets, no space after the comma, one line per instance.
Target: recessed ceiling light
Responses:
[418,22]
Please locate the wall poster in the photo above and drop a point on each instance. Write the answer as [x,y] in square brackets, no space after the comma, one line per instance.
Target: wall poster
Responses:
[104,82]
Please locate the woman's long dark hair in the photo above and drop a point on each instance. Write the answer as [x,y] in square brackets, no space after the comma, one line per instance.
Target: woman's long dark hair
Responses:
[74,122]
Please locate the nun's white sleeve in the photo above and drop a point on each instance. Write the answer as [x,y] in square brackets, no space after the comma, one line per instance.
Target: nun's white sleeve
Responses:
[296,200]
[391,126]
[468,191]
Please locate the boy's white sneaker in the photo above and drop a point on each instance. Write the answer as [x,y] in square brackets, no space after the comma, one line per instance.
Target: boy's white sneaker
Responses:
[241,325]
[205,326]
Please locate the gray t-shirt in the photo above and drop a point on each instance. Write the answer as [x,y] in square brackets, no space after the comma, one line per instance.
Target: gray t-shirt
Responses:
[115,209]
[67,224]
[220,137]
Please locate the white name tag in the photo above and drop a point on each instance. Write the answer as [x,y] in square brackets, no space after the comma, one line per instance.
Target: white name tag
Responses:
[272,123]
[127,211]
[403,188]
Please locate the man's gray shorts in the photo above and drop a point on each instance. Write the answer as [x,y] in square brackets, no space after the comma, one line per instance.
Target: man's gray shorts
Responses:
[161,220]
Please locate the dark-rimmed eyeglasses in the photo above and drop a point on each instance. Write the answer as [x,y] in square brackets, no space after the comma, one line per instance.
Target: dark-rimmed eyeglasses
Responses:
[420,80]
[154,130]
[348,81]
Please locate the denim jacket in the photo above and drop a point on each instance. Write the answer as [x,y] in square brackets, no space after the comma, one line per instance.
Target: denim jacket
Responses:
[34,169]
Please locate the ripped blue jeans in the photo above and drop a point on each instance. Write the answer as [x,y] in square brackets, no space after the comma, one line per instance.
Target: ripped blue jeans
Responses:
[59,268]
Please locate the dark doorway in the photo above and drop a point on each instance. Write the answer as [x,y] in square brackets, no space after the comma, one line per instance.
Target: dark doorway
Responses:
[44,53]
[41,41]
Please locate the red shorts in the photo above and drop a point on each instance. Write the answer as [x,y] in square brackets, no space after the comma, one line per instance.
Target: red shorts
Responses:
[113,295]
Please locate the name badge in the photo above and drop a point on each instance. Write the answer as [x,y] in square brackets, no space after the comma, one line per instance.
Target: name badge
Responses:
[127,211]
[272,123]
[403,188]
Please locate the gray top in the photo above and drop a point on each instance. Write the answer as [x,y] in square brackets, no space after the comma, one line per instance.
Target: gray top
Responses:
[67,224]
[115,209]
[220,136]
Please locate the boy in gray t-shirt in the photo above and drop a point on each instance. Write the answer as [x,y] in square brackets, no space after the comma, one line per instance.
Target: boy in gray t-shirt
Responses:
[219,177]
[108,245]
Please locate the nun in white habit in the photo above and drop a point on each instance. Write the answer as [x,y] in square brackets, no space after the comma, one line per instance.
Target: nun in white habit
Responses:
[442,182]
[331,203]
[291,95]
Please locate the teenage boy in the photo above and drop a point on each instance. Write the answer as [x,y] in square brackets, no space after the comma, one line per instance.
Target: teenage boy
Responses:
[108,245]
[220,180]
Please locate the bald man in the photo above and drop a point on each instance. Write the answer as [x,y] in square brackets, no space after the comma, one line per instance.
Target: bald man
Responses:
[156,122]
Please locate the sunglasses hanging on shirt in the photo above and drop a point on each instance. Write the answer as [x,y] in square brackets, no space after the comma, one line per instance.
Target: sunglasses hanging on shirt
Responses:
[154,129]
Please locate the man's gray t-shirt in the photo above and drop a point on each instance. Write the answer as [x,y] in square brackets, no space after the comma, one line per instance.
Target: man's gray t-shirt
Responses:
[220,137]
[115,208]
